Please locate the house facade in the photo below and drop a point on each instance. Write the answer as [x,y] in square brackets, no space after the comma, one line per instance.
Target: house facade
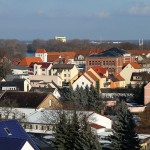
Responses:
[65,71]
[82,81]
[40,68]
[127,71]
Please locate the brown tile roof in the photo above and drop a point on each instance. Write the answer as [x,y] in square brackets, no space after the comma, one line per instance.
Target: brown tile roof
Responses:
[99,69]
[96,126]
[119,77]
[28,60]
[92,75]
[138,52]
[24,99]
[15,61]
[136,65]
[40,51]
[62,66]
[63,54]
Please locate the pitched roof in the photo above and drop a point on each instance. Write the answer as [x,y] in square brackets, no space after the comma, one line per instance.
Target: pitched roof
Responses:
[63,54]
[28,60]
[135,65]
[62,66]
[112,52]
[92,75]
[40,89]
[24,99]
[116,78]
[15,137]
[40,51]
[43,64]
[99,69]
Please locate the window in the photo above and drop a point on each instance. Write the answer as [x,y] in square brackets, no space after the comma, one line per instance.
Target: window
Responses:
[99,63]
[43,69]
[68,75]
[82,83]
[64,75]
[89,62]
[92,62]
[7,131]
[104,63]
[50,102]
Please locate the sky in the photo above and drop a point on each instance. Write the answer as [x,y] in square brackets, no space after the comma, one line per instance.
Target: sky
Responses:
[75,19]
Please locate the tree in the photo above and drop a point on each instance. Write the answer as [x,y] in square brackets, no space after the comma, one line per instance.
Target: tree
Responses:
[61,130]
[75,133]
[87,140]
[124,135]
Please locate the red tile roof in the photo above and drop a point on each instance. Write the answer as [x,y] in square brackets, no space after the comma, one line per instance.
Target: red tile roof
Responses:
[28,60]
[99,69]
[63,54]
[40,51]
[96,126]
[136,65]
[92,75]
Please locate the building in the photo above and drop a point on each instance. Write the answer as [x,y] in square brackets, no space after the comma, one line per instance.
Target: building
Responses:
[65,71]
[14,137]
[16,85]
[42,54]
[112,59]
[37,68]
[35,100]
[127,71]
[61,38]
[28,60]
[147,94]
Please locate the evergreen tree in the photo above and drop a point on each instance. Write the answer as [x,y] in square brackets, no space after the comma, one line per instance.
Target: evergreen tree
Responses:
[87,139]
[124,136]
[75,134]
[61,129]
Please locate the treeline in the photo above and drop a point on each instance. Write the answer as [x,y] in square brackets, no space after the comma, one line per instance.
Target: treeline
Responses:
[20,48]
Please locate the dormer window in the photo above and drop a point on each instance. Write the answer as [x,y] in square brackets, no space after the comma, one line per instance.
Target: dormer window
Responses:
[7,131]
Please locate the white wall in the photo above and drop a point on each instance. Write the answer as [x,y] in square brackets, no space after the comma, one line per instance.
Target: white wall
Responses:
[81,82]
[27,146]
[57,80]
[100,120]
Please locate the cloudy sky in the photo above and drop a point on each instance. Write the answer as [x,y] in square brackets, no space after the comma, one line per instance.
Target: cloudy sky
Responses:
[82,19]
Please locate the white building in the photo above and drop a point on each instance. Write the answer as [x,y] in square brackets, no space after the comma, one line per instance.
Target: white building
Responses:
[42,54]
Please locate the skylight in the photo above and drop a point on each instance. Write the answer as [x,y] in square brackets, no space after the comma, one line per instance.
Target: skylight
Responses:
[7,131]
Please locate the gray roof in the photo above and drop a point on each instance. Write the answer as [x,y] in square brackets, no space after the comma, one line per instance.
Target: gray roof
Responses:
[117,90]
[40,89]
[20,67]
[62,66]
[113,52]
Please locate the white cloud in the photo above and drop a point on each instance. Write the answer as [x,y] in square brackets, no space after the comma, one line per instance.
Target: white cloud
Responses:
[103,15]
[140,10]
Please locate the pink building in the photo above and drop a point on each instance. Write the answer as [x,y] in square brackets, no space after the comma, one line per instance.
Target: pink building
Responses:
[147,94]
